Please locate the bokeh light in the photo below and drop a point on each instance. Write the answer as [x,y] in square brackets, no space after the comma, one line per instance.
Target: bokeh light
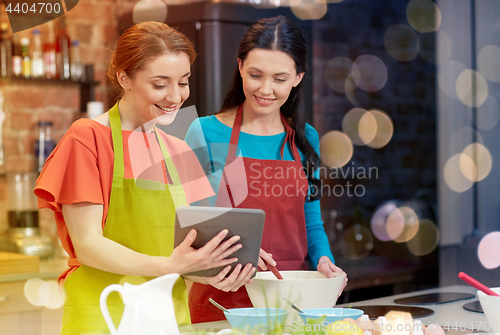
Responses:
[481,158]
[488,61]
[488,250]
[369,73]
[337,70]
[423,15]
[356,242]
[428,42]
[488,114]
[447,77]
[462,138]
[149,10]
[308,9]
[453,174]
[465,88]
[395,224]
[385,129]
[37,292]
[336,149]
[360,125]
[379,220]
[401,42]
[468,168]
[425,240]
[410,227]
[56,299]
[43,293]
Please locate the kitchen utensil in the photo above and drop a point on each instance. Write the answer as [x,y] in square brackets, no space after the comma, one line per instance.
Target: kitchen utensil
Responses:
[491,305]
[471,281]
[222,308]
[293,306]
[307,289]
[149,308]
[332,314]
[274,270]
[256,320]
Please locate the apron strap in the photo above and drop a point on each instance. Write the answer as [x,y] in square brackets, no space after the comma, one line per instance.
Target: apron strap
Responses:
[116,133]
[172,171]
[235,135]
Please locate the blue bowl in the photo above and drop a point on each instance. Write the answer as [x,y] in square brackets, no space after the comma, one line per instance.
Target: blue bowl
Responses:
[262,319]
[332,314]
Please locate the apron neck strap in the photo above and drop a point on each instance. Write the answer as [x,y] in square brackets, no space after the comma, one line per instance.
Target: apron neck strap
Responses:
[170,167]
[235,134]
[116,134]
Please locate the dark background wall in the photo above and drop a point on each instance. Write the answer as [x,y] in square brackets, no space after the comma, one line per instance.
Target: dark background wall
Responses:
[406,165]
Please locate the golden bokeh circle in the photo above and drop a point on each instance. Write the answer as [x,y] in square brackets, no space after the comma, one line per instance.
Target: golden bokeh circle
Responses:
[336,149]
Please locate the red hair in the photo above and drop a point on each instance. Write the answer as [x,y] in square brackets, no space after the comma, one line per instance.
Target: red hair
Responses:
[142,43]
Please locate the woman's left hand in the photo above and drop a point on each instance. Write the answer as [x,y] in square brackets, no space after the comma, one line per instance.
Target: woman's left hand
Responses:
[265,257]
[326,266]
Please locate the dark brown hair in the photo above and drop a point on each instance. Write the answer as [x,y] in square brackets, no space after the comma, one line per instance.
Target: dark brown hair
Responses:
[142,43]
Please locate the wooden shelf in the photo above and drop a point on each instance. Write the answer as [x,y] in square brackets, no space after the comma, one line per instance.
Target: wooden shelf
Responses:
[87,88]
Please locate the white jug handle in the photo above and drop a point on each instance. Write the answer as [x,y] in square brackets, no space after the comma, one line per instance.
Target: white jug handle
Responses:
[103,302]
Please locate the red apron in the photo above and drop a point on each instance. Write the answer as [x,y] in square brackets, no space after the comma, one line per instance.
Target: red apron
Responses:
[279,188]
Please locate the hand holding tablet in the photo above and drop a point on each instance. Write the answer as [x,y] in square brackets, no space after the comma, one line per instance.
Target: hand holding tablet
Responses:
[209,221]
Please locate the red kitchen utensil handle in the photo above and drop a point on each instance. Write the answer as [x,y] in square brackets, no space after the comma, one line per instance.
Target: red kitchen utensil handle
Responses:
[471,281]
[274,270]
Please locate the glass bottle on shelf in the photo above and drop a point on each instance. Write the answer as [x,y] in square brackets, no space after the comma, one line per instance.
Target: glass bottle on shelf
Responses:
[77,68]
[25,44]
[37,70]
[62,52]
[49,53]
[44,144]
[2,119]
[17,59]
[5,52]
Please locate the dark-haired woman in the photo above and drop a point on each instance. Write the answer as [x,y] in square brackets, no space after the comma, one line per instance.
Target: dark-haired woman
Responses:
[114,183]
[259,153]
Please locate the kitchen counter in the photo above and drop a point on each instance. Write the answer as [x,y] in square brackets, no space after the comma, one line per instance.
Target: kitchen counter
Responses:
[448,313]
[49,269]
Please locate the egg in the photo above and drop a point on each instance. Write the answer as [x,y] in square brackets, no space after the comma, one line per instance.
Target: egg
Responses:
[434,329]
[365,323]
[349,320]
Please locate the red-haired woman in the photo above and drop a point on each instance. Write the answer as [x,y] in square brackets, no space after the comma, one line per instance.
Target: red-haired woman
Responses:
[114,228]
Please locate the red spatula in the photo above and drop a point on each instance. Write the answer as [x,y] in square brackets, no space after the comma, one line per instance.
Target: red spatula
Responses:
[273,270]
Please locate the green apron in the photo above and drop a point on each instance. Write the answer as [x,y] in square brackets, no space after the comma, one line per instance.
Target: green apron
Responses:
[141,217]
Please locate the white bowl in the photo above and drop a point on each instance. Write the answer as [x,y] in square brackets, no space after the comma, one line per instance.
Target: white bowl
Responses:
[491,308]
[305,289]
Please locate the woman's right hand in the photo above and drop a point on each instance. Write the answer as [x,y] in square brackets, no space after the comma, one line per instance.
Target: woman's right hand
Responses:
[185,258]
[239,277]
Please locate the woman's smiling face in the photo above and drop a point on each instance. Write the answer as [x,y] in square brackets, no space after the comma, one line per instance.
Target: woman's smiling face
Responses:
[268,77]
[158,90]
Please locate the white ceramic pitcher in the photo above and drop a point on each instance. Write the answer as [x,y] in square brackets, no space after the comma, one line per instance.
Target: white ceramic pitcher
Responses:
[149,308]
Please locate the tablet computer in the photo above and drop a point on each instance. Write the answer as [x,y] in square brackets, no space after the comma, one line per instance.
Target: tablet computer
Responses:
[209,221]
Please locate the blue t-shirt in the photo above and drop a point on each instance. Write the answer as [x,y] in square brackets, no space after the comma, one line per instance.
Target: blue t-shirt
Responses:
[209,138]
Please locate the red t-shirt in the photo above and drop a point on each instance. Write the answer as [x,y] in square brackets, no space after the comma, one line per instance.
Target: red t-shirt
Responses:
[80,169]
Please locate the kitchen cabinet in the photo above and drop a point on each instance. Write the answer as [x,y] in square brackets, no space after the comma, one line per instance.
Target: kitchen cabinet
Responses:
[20,317]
